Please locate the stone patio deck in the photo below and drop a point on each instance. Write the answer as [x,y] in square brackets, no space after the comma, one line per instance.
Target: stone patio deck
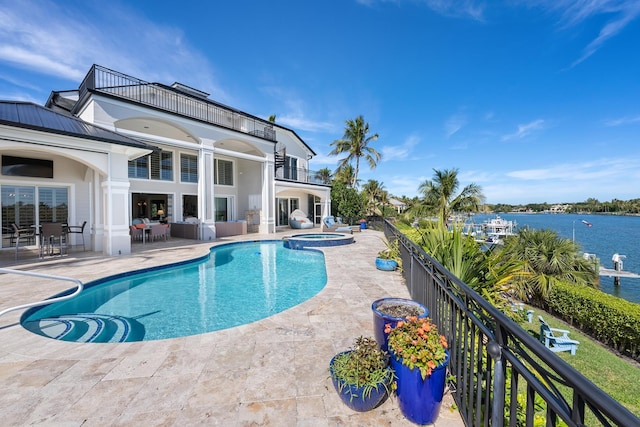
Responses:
[270,372]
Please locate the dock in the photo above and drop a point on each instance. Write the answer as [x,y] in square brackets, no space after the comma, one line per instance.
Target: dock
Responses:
[610,272]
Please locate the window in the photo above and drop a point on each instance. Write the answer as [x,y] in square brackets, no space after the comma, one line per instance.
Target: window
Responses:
[52,204]
[188,168]
[139,168]
[291,168]
[157,165]
[224,208]
[21,166]
[285,207]
[223,172]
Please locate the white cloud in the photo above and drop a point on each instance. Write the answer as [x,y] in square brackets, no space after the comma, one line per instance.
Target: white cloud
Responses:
[454,124]
[619,14]
[457,8]
[623,121]
[57,40]
[525,130]
[399,152]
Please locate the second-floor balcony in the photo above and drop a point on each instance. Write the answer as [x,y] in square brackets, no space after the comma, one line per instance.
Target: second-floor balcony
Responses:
[301,175]
[177,99]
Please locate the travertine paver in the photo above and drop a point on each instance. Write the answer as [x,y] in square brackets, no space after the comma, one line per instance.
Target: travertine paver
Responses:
[270,372]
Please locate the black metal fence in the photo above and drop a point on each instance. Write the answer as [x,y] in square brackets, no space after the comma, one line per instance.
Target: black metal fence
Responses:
[113,83]
[503,374]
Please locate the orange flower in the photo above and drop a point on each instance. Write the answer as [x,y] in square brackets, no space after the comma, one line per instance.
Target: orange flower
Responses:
[443,341]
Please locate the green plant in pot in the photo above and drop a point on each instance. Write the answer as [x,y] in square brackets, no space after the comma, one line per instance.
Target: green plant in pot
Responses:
[419,358]
[388,259]
[362,376]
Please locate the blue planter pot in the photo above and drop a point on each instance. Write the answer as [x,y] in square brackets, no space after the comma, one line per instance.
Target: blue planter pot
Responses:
[386,264]
[356,397]
[381,319]
[418,399]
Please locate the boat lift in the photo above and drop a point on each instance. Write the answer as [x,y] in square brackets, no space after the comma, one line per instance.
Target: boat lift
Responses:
[616,272]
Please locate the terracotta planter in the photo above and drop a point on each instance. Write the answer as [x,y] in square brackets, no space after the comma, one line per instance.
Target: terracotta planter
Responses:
[381,319]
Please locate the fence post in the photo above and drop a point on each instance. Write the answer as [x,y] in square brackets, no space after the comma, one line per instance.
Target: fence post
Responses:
[497,409]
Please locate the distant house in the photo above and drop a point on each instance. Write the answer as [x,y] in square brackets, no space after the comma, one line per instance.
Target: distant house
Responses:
[400,206]
[119,148]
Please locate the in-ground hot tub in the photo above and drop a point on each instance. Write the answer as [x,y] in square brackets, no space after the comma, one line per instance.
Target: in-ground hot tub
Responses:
[323,240]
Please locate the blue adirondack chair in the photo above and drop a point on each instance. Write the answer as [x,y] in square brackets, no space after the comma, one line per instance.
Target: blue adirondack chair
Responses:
[554,342]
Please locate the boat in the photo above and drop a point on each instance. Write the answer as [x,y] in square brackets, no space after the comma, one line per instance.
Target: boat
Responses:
[492,231]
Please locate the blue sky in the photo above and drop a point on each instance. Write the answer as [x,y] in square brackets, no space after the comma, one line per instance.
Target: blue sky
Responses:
[535,101]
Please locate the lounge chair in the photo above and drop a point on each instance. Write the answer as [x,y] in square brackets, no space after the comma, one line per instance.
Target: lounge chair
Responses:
[299,220]
[556,343]
[329,223]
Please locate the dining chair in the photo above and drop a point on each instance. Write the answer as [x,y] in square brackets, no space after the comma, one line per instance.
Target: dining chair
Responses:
[24,234]
[158,231]
[135,232]
[53,234]
[78,229]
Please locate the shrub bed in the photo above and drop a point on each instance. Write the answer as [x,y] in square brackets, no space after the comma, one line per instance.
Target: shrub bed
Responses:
[609,319]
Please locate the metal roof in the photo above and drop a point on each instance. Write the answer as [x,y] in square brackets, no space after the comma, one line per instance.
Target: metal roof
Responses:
[32,116]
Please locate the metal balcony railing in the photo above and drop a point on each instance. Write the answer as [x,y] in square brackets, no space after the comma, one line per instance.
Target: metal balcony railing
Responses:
[499,367]
[103,80]
[301,175]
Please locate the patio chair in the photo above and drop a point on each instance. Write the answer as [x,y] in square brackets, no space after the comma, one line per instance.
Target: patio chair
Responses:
[53,234]
[298,220]
[78,229]
[135,232]
[157,231]
[27,235]
[556,343]
[329,223]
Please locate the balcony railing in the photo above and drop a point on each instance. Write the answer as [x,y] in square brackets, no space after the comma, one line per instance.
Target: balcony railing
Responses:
[113,83]
[301,175]
[495,361]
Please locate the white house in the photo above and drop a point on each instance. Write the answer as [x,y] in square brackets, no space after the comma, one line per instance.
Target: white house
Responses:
[119,148]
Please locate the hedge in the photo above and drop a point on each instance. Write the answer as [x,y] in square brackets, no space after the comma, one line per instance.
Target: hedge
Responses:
[611,320]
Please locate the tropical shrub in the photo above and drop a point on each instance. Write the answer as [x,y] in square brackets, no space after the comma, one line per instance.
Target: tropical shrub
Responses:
[611,320]
[546,260]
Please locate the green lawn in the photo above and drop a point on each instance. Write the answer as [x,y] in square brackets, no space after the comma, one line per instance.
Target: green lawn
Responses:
[618,377]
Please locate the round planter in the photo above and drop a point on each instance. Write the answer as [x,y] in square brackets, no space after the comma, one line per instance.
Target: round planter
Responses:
[418,399]
[356,397]
[386,264]
[381,319]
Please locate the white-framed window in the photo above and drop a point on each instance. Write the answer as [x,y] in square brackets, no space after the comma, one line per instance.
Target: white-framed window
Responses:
[223,172]
[285,207]
[188,168]
[224,208]
[156,166]
[291,168]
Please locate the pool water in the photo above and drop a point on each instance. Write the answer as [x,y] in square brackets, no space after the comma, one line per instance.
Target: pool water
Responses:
[237,283]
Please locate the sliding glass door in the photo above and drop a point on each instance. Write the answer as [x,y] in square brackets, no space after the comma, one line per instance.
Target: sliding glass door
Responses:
[28,206]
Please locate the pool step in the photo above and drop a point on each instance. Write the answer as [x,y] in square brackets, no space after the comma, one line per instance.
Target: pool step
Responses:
[88,327]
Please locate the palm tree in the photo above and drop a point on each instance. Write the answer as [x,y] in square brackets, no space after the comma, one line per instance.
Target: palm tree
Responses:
[345,175]
[375,195]
[355,143]
[324,175]
[440,194]
[546,260]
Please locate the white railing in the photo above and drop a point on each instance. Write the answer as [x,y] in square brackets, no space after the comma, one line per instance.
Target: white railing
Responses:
[43,276]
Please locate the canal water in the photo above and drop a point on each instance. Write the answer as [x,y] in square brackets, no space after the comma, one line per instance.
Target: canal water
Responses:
[608,235]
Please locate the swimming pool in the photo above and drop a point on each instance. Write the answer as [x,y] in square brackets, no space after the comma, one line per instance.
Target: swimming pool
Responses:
[235,284]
